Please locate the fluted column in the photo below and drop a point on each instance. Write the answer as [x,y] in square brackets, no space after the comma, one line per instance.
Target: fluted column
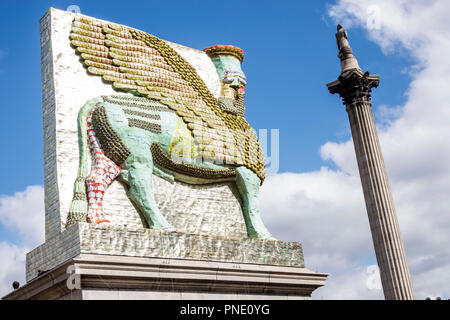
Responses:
[389,250]
[355,87]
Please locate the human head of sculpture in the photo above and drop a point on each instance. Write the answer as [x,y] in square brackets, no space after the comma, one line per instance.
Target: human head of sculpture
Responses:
[227,60]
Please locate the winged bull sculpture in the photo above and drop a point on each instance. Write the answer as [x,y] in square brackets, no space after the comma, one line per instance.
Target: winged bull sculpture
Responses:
[169,124]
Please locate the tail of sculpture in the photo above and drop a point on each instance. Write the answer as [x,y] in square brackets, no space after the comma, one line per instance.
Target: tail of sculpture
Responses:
[79,207]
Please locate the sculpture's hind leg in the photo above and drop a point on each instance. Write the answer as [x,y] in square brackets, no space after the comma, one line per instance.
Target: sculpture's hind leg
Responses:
[102,174]
[137,173]
[248,185]
[137,168]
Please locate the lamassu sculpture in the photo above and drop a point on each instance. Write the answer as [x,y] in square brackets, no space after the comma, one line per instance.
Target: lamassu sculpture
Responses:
[169,124]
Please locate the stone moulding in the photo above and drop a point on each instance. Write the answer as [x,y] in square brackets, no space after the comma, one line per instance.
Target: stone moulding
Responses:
[85,238]
[122,278]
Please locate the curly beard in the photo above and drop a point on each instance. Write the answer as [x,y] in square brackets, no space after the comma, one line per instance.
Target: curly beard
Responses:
[235,106]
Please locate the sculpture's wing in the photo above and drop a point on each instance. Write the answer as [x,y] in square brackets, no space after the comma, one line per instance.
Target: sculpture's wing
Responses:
[137,62]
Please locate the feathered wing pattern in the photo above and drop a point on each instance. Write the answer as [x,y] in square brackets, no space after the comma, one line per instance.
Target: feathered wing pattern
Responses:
[142,64]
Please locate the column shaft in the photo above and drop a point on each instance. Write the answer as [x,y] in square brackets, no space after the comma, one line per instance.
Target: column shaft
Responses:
[389,249]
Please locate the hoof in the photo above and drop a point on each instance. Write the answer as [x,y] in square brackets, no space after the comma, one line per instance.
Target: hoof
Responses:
[166,228]
[263,237]
[101,221]
[270,237]
[169,229]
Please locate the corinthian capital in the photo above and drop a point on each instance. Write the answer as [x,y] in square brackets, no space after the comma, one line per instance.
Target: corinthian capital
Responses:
[354,87]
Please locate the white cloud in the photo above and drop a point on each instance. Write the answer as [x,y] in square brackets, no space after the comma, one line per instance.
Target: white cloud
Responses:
[12,267]
[328,205]
[22,213]
[324,210]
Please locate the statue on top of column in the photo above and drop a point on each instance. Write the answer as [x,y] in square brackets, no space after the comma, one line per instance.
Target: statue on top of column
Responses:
[348,60]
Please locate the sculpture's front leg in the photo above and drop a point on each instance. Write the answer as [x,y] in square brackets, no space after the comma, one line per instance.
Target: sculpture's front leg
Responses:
[248,185]
[138,174]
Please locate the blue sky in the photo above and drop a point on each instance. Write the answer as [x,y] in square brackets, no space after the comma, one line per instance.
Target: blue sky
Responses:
[290,54]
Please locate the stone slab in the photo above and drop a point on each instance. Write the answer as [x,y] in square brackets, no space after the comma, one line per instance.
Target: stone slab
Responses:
[140,242]
[113,277]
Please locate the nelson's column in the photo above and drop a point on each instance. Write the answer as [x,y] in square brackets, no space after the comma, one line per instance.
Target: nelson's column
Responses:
[354,86]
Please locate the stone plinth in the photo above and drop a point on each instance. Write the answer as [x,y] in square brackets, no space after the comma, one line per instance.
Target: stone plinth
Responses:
[114,262]
[113,240]
[112,277]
